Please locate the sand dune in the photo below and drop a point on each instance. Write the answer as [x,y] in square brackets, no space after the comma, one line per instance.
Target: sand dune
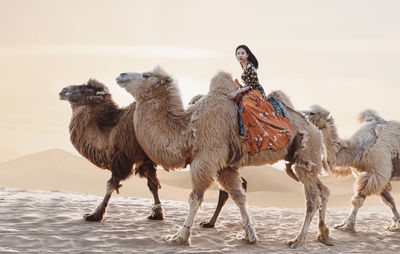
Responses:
[59,170]
[51,221]
[49,217]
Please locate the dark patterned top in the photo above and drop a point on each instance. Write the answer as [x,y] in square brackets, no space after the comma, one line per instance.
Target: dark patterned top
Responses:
[250,78]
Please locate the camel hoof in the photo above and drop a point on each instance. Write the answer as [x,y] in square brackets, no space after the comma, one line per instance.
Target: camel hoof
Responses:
[157,213]
[177,241]
[207,224]
[323,235]
[249,235]
[94,217]
[325,240]
[295,244]
[345,228]
[180,238]
[156,217]
[393,229]
[395,226]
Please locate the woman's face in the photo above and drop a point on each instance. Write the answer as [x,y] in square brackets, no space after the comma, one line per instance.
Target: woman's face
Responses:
[241,55]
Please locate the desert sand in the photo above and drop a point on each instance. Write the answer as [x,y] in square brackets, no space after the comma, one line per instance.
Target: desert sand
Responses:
[44,195]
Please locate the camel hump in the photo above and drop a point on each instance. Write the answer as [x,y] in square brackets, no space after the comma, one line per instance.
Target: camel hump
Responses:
[222,82]
[370,115]
[281,96]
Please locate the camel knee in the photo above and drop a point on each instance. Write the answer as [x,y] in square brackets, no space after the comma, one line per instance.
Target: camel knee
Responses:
[238,196]
[324,192]
[357,200]
[230,180]
[387,199]
[313,200]
[195,198]
[153,187]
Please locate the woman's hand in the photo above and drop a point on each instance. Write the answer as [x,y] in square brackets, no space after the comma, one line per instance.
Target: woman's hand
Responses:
[231,96]
[238,85]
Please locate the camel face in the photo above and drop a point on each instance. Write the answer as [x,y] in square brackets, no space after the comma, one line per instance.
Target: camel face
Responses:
[73,93]
[82,93]
[134,82]
[318,116]
[141,83]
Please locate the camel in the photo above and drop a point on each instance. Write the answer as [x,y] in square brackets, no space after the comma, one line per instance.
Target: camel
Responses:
[206,137]
[104,134]
[371,154]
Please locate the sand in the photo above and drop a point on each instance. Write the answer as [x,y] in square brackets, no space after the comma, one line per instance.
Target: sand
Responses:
[44,195]
[51,221]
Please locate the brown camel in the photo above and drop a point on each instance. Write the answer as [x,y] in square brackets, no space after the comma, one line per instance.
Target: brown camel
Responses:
[206,137]
[104,134]
[372,154]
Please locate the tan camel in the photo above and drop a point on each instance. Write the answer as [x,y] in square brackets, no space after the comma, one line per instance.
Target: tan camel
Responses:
[104,134]
[206,137]
[372,154]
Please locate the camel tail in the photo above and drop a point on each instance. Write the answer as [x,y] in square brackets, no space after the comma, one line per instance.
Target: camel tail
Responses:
[370,115]
[370,183]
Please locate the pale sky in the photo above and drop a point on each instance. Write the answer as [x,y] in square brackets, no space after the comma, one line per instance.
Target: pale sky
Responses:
[341,54]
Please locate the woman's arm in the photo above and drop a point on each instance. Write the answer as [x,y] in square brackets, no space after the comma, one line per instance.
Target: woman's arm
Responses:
[233,94]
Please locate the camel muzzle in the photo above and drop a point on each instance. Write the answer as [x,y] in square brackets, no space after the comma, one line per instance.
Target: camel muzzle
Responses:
[122,80]
[63,95]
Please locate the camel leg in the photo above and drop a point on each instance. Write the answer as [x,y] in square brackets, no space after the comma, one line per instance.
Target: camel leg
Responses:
[323,231]
[231,182]
[157,212]
[97,215]
[312,203]
[201,181]
[222,198]
[387,198]
[348,224]
[148,169]
[183,235]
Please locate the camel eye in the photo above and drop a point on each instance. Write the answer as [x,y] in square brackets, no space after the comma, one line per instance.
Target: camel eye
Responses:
[146,75]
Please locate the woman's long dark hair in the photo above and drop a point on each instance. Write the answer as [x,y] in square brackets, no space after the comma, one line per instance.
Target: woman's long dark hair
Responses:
[252,59]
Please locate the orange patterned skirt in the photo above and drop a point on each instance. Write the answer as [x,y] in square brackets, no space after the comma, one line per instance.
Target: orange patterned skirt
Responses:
[263,128]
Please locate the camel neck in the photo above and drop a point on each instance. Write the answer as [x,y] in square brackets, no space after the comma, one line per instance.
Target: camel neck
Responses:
[161,125]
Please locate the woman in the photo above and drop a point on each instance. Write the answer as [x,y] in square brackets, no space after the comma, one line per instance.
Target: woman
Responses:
[262,122]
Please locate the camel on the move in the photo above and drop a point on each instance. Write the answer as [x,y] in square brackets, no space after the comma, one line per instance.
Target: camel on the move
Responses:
[104,134]
[372,154]
[206,137]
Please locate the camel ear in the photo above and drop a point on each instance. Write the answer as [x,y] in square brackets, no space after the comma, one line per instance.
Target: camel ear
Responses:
[168,79]
[160,70]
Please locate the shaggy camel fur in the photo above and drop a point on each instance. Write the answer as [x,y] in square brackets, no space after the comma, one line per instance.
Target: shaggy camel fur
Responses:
[104,134]
[223,196]
[372,154]
[206,137]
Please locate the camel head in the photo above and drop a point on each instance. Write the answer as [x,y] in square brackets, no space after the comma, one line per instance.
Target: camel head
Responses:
[322,119]
[318,116]
[93,92]
[146,83]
